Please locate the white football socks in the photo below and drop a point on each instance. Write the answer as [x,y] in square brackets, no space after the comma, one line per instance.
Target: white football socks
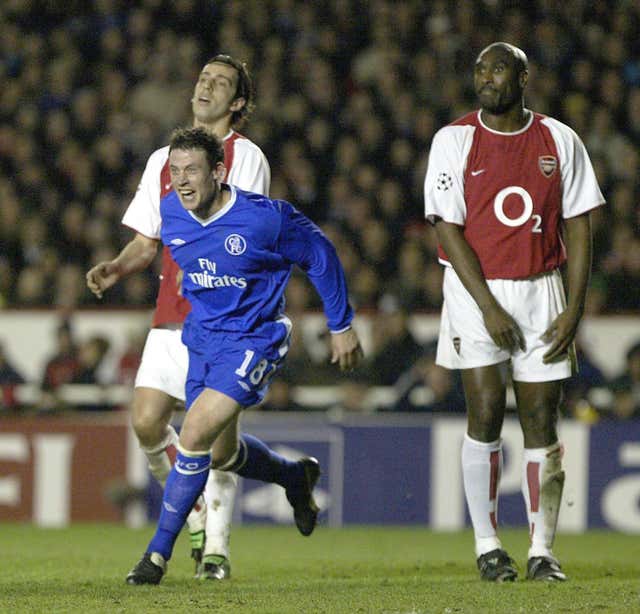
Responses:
[481,469]
[219,494]
[161,457]
[542,484]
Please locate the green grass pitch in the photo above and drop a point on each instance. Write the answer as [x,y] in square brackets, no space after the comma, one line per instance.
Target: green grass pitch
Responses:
[274,570]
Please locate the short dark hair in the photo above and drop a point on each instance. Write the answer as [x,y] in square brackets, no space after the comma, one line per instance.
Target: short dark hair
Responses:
[244,88]
[198,138]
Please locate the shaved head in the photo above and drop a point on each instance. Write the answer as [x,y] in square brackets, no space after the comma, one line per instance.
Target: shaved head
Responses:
[519,56]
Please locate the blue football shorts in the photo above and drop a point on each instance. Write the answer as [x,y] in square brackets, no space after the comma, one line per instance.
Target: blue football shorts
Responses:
[240,368]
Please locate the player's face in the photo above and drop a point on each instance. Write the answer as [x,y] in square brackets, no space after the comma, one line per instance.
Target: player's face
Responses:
[193,179]
[214,91]
[497,80]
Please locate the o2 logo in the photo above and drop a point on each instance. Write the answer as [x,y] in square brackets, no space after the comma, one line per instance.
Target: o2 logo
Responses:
[527,211]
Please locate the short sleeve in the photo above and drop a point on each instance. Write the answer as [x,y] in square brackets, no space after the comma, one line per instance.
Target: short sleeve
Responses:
[580,190]
[250,170]
[143,213]
[444,181]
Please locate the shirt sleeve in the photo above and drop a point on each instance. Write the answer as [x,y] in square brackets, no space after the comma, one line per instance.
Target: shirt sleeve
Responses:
[143,213]
[301,242]
[250,170]
[444,181]
[580,190]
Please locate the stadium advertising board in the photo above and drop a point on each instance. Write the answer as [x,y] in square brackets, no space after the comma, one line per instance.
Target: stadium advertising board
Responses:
[55,471]
[401,470]
[407,472]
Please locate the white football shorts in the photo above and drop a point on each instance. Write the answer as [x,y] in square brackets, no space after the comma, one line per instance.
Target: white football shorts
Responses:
[165,362]
[534,303]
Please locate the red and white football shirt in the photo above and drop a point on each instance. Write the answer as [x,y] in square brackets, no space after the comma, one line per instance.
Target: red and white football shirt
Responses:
[247,168]
[510,191]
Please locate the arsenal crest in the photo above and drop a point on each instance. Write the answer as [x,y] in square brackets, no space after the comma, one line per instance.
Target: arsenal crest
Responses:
[547,165]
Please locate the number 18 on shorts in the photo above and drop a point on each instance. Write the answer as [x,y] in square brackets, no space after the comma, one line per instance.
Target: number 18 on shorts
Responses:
[243,373]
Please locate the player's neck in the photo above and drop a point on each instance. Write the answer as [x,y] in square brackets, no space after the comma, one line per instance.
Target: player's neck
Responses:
[220,128]
[512,120]
[217,202]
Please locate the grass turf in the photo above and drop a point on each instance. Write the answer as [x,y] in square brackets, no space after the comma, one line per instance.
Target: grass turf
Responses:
[274,570]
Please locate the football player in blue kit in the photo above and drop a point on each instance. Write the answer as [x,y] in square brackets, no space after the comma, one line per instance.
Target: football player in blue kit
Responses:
[236,250]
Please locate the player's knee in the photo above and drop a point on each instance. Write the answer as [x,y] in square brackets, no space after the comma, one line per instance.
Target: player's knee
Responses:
[148,423]
[539,426]
[485,425]
[225,461]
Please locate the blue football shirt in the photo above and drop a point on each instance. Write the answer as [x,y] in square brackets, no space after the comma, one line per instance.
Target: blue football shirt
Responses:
[237,263]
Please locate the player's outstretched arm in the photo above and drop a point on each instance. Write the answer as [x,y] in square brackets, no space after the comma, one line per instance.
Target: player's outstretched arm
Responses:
[346,349]
[303,243]
[563,329]
[135,256]
[502,328]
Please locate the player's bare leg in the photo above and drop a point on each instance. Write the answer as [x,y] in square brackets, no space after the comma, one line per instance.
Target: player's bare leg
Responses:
[151,414]
[485,394]
[542,474]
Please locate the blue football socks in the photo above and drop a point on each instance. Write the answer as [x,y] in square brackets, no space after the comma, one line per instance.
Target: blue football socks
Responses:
[259,462]
[185,482]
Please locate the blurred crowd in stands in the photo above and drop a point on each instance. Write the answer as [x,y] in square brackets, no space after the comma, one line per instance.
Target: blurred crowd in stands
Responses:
[349,95]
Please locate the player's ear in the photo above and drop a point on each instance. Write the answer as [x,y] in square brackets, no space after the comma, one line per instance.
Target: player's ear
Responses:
[220,171]
[237,104]
[524,77]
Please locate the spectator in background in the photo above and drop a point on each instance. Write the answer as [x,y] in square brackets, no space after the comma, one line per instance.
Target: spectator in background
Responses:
[428,387]
[624,278]
[91,354]
[63,365]
[307,362]
[577,389]
[59,369]
[354,398]
[129,361]
[626,387]
[280,397]
[395,348]
[10,377]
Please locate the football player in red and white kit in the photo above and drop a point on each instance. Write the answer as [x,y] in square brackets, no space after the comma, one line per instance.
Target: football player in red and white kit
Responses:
[507,189]
[221,101]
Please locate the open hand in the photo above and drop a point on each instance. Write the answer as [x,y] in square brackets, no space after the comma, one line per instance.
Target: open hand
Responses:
[346,350]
